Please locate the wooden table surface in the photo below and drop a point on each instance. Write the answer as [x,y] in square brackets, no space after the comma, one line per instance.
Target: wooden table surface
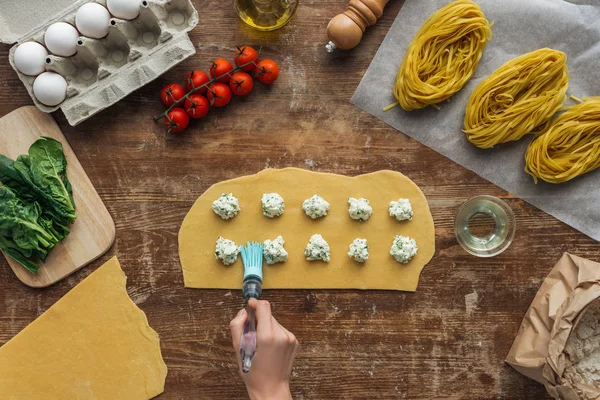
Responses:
[447,340]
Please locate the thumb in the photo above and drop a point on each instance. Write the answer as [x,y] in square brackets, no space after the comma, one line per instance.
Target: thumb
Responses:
[237,326]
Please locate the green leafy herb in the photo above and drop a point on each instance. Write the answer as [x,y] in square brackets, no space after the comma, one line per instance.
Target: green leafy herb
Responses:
[48,167]
[11,250]
[36,202]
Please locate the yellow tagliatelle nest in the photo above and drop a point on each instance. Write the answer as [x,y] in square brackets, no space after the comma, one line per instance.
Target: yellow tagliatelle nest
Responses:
[517,98]
[568,147]
[443,55]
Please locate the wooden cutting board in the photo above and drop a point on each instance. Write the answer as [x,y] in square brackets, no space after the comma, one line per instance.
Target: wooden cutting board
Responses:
[93,232]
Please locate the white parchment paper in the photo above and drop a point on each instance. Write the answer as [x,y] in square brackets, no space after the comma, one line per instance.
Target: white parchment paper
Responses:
[520,26]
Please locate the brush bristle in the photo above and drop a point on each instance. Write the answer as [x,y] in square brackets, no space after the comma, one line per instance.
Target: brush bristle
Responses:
[252,254]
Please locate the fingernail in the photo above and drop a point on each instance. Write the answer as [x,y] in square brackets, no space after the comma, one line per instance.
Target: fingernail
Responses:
[240,312]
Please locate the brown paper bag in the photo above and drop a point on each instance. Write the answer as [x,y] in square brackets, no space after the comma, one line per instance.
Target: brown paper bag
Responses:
[540,349]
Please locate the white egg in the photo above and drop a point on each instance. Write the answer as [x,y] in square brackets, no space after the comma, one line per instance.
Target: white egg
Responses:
[61,39]
[92,20]
[30,58]
[50,88]
[125,9]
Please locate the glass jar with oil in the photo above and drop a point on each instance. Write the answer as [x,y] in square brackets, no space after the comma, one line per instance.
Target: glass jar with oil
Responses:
[484,226]
[265,15]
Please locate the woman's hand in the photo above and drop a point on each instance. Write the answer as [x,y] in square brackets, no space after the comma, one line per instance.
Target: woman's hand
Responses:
[269,376]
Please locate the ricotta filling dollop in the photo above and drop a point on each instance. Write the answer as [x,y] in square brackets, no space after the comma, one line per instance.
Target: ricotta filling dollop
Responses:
[226,250]
[403,249]
[226,206]
[273,250]
[315,207]
[359,250]
[272,205]
[401,210]
[359,209]
[317,249]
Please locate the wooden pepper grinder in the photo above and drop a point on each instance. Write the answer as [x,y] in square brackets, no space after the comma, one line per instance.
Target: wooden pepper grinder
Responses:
[345,30]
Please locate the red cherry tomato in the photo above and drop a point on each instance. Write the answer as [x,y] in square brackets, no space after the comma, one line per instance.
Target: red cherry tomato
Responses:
[219,94]
[176,120]
[219,67]
[171,93]
[196,106]
[195,79]
[267,71]
[241,83]
[244,55]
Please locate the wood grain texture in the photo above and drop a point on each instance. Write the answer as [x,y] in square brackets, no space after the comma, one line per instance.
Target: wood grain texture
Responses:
[448,340]
[92,233]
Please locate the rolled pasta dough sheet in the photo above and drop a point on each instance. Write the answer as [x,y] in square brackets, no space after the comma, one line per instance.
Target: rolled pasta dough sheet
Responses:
[202,227]
[94,343]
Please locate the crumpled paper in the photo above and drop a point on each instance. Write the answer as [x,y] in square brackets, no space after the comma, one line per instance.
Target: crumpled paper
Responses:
[519,27]
[538,351]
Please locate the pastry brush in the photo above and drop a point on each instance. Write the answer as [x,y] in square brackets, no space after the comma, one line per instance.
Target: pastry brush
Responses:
[252,257]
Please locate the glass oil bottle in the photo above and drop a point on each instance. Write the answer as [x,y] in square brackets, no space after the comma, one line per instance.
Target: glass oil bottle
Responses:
[265,15]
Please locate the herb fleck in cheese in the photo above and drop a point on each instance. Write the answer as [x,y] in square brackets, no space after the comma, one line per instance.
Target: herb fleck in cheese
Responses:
[226,250]
[359,250]
[274,252]
[317,249]
[315,207]
[401,210]
[403,249]
[272,205]
[359,209]
[226,206]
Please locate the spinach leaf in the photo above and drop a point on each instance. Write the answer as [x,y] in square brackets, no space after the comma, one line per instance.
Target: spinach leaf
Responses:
[19,176]
[12,178]
[13,251]
[48,168]
[59,231]
[36,202]
[22,234]
[21,219]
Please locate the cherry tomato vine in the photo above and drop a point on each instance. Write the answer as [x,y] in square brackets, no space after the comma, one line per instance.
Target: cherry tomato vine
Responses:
[216,89]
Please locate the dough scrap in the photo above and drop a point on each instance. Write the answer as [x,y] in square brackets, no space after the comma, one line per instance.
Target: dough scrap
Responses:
[201,227]
[94,343]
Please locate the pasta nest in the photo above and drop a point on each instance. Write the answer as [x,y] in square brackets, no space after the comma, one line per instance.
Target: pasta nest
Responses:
[520,96]
[569,147]
[443,55]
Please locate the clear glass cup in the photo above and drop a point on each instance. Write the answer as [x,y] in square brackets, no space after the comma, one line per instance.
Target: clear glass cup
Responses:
[265,15]
[484,226]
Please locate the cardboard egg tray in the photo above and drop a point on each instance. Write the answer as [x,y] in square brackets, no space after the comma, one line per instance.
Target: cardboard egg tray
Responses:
[103,71]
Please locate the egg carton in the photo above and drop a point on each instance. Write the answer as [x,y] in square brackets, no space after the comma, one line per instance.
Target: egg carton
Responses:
[103,71]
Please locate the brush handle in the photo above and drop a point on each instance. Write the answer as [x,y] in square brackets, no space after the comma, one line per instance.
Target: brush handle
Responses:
[248,341]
